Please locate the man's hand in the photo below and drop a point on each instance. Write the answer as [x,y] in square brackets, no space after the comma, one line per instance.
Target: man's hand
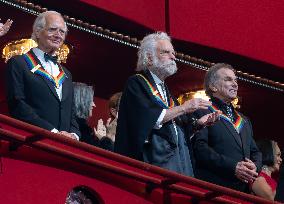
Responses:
[67,134]
[209,119]
[246,171]
[100,132]
[195,104]
[4,28]
[250,165]
[111,128]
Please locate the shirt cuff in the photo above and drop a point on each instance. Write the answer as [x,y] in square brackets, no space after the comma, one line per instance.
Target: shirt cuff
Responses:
[158,124]
[54,130]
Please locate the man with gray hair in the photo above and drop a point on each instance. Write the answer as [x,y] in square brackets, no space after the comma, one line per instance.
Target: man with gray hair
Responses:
[150,125]
[39,89]
[226,153]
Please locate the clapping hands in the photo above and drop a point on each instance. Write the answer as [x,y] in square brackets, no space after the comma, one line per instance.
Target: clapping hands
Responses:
[107,130]
[4,28]
[111,128]
[100,131]
[194,104]
[209,119]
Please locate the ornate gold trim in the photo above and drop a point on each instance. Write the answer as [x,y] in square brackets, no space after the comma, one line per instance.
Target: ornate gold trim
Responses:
[22,46]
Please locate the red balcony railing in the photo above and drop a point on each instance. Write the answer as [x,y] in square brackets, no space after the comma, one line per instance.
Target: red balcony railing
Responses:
[33,148]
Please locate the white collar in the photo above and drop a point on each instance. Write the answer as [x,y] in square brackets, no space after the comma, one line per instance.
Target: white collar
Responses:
[156,79]
[39,53]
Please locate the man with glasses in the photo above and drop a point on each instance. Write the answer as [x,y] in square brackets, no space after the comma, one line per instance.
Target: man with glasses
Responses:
[39,89]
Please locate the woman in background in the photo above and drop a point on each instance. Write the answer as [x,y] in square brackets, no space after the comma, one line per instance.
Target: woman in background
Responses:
[84,104]
[264,185]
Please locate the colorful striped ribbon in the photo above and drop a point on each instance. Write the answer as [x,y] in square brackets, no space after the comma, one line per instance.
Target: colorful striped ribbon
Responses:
[157,95]
[36,68]
[238,124]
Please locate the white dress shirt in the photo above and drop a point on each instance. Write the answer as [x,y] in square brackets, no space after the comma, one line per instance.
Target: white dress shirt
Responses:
[158,82]
[163,93]
[50,67]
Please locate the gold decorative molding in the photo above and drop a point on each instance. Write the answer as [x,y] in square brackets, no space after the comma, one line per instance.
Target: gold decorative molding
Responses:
[17,47]
[22,46]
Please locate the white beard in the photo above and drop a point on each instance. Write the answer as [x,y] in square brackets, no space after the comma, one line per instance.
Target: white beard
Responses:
[164,69]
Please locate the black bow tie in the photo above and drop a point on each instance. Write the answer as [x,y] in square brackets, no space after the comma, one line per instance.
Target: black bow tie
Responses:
[48,57]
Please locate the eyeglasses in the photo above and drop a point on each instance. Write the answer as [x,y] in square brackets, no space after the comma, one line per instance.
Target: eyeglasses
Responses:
[55,30]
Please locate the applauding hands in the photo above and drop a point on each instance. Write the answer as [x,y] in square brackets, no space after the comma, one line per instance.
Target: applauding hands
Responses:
[107,130]
[209,119]
[100,131]
[195,104]
[4,28]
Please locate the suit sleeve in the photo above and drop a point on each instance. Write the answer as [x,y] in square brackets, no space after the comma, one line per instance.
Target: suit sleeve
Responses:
[17,104]
[208,157]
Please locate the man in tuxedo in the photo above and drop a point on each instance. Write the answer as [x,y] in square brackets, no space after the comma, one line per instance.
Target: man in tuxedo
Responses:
[40,90]
[149,127]
[226,153]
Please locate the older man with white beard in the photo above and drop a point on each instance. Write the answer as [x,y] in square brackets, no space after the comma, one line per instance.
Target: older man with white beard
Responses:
[151,123]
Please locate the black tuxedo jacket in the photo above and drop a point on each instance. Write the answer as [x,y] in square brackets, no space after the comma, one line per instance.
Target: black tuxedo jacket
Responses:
[33,98]
[218,149]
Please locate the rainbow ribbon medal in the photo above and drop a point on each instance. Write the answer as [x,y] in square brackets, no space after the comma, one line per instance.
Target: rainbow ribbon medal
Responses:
[157,95]
[37,69]
[238,124]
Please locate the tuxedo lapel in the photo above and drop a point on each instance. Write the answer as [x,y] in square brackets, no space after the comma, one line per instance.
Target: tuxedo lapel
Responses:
[233,132]
[49,83]
[243,135]
[65,87]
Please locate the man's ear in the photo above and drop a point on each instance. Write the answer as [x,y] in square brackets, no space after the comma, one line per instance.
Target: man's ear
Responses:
[37,33]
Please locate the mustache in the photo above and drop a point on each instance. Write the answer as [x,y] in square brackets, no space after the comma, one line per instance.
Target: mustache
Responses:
[166,64]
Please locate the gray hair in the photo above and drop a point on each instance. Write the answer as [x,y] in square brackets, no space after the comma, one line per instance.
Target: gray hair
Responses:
[83,98]
[148,47]
[40,22]
[211,76]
